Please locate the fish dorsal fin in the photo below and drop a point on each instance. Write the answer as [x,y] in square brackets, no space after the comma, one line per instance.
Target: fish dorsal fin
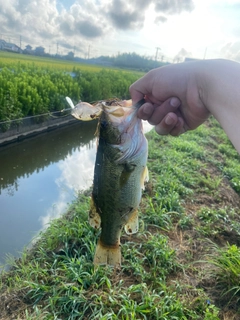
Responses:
[132,225]
[94,218]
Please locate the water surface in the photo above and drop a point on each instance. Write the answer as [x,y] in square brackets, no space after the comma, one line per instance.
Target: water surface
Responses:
[38,178]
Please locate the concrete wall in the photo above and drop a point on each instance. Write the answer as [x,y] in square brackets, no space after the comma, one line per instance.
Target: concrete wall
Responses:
[31,126]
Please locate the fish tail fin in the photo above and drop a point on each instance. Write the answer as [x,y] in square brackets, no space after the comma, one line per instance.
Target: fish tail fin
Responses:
[132,225]
[107,255]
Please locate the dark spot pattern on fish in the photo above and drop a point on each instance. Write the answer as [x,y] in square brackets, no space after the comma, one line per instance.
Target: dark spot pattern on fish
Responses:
[128,169]
[129,230]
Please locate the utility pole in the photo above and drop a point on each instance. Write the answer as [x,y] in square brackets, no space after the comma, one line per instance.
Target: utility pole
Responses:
[205,53]
[89,51]
[20,42]
[156,56]
[57,48]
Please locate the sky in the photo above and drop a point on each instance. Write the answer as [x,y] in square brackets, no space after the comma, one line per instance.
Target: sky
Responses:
[167,30]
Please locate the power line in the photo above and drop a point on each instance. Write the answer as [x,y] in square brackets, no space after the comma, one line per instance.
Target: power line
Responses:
[51,114]
[156,56]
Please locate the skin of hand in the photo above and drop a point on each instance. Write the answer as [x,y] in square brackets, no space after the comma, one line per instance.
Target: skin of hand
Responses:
[173,101]
[167,107]
[197,89]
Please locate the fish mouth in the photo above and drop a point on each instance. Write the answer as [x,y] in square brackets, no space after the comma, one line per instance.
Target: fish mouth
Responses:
[86,112]
[116,111]
[117,114]
[124,111]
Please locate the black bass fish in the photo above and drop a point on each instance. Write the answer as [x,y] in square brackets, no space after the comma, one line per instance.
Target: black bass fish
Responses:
[119,175]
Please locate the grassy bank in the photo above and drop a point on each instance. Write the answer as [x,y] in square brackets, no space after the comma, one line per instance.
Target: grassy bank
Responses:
[183,264]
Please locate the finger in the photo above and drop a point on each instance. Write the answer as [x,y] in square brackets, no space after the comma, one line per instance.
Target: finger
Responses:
[159,113]
[167,124]
[178,128]
[136,94]
[141,87]
[146,110]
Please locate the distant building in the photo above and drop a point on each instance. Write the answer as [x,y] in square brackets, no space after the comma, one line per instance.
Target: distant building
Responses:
[7,46]
[28,47]
[40,51]
[2,44]
[28,50]
[70,55]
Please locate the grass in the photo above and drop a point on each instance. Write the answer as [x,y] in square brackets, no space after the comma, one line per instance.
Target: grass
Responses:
[182,264]
[227,272]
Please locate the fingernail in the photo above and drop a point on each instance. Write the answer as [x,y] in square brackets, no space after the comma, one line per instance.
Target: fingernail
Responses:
[174,102]
[169,120]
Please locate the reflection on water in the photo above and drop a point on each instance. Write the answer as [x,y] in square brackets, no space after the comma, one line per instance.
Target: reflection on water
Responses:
[38,178]
[76,173]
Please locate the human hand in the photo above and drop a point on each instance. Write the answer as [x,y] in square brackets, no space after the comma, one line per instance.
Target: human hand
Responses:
[165,117]
[173,98]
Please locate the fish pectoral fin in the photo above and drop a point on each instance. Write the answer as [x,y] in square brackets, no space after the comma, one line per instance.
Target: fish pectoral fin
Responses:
[125,175]
[94,218]
[144,177]
[132,225]
[107,255]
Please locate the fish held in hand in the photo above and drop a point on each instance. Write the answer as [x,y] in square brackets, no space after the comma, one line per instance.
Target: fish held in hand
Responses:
[119,175]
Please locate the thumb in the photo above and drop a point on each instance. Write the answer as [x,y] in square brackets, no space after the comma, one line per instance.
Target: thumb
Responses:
[135,93]
[140,88]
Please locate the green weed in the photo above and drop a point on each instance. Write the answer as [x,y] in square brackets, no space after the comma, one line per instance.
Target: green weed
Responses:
[191,198]
[227,272]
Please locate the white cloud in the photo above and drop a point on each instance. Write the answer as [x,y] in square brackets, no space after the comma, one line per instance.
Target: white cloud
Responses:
[77,169]
[112,26]
[76,175]
[231,51]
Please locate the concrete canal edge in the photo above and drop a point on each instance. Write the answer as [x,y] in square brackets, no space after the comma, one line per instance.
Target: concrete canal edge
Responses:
[29,128]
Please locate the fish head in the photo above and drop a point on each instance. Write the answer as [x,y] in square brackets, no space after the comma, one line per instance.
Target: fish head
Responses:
[120,127]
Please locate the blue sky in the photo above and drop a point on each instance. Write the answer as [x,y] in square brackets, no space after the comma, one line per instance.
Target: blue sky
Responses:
[197,28]
[65,3]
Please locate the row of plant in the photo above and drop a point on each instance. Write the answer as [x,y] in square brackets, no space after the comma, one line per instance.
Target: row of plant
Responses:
[183,264]
[28,90]
[8,59]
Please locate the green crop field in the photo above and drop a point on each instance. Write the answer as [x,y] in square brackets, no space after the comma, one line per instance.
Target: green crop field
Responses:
[32,86]
[9,59]
[183,264]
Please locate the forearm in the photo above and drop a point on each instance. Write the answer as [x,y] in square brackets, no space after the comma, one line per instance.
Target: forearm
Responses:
[220,94]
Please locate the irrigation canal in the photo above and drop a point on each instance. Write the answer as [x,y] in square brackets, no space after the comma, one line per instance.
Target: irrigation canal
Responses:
[39,177]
